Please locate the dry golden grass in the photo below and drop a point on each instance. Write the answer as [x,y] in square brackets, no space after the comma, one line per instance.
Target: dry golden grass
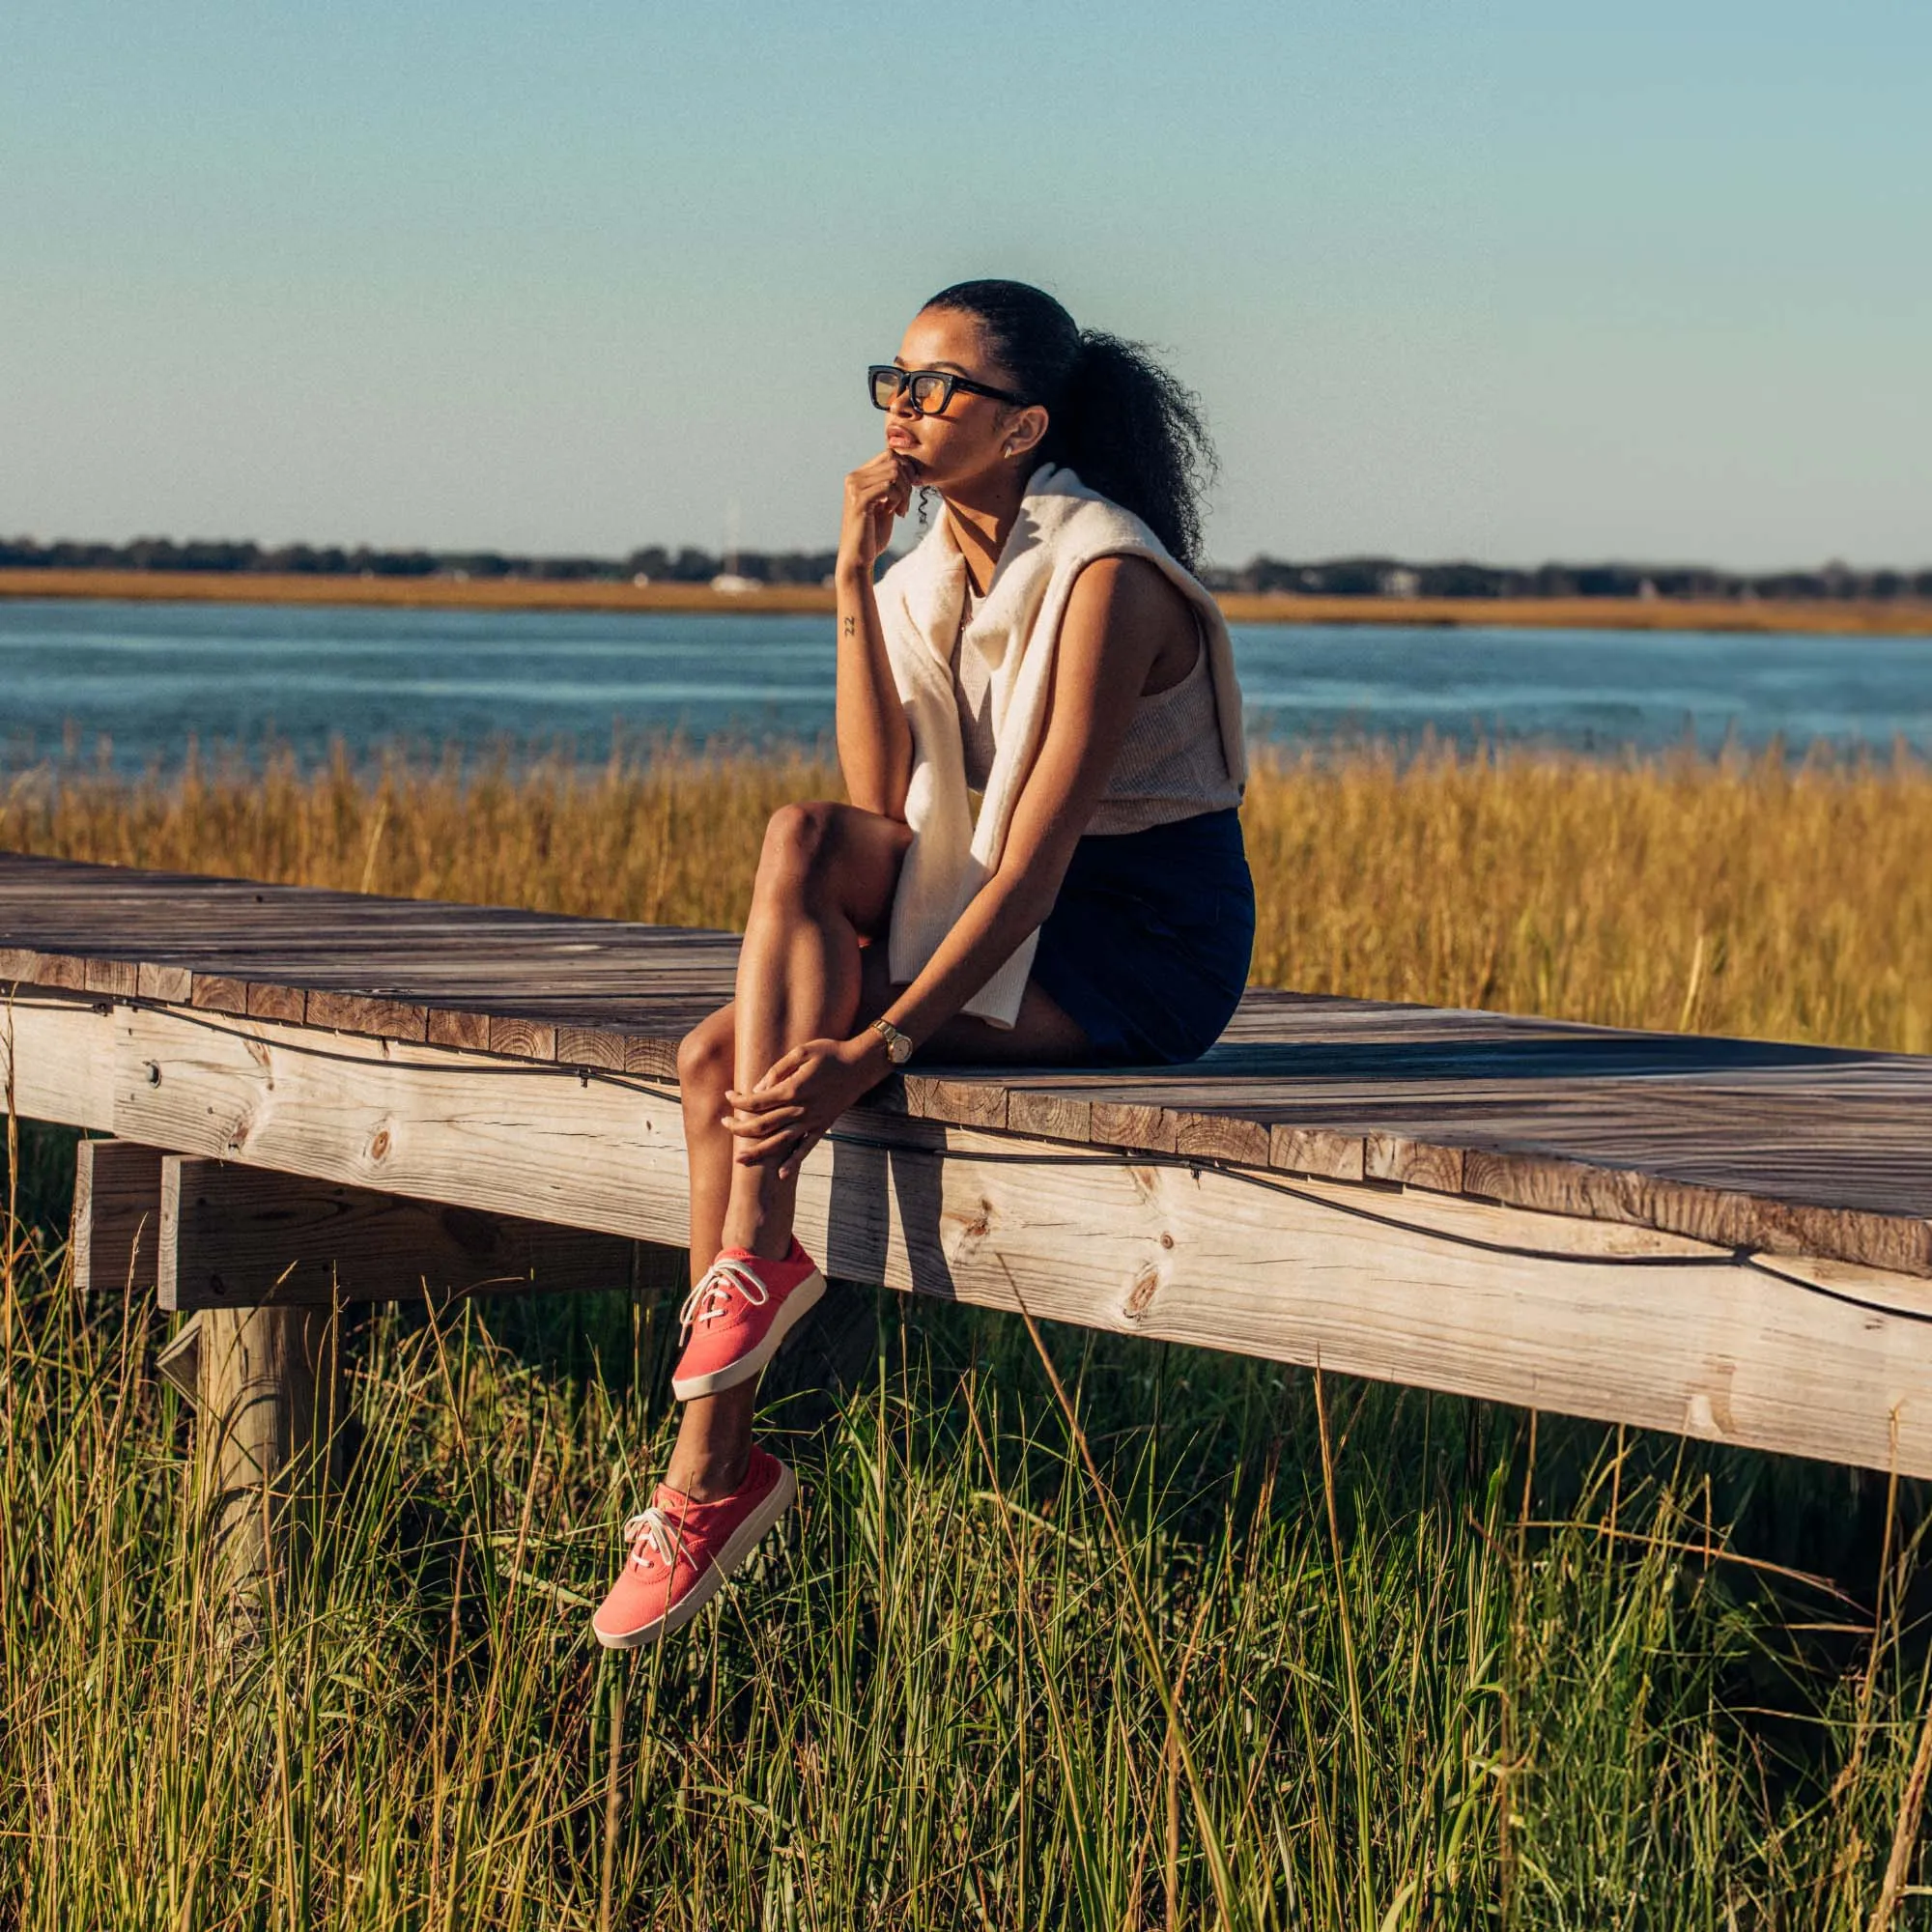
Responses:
[1371,1634]
[1727,897]
[1841,616]
[1846,618]
[1705,896]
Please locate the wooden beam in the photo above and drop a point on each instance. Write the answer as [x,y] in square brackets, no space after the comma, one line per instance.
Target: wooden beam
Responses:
[56,1056]
[1832,1360]
[1593,1318]
[117,1216]
[428,1123]
[234,1237]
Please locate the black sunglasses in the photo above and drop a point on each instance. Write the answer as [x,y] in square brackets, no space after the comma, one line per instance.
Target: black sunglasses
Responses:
[931,389]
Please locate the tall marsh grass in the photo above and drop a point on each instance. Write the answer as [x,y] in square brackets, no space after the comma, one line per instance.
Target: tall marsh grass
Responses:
[1146,1639]
[1761,894]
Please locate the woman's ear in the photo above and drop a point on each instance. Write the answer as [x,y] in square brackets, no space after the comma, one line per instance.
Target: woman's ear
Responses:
[1026,432]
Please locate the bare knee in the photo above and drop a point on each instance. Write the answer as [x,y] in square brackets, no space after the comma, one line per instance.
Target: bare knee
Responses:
[705,1059]
[800,839]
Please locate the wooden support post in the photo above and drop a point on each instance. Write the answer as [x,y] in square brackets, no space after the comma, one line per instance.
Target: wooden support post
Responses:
[265,1430]
[238,1237]
[264,1258]
[117,1216]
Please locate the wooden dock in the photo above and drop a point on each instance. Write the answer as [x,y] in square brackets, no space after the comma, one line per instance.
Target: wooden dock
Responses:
[314,1094]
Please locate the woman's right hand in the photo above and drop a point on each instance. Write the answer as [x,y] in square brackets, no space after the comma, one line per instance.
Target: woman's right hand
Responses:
[876,495]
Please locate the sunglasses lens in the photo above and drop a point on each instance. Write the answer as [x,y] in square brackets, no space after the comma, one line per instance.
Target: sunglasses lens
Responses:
[885,388]
[928,392]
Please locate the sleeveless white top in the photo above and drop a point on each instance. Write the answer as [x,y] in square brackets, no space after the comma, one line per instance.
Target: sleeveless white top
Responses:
[956,844]
[1171,763]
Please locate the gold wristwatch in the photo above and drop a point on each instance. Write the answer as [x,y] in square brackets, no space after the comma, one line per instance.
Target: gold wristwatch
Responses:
[898,1049]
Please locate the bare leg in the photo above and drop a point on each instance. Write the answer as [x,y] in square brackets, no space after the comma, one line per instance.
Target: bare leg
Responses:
[715,1432]
[826,876]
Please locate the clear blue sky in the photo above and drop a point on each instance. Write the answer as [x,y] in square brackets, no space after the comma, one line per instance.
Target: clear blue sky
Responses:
[1513,281]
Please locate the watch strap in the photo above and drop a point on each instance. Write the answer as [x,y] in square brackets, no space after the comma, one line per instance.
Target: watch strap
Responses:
[898,1049]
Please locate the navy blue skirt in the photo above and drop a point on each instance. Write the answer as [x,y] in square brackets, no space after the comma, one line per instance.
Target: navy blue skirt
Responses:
[1148,942]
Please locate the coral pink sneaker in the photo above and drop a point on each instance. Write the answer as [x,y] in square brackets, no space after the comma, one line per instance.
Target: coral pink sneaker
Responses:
[742,1308]
[682,1552]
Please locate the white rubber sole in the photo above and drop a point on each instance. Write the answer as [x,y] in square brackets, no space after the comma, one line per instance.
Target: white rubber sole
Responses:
[737,1546]
[797,1304]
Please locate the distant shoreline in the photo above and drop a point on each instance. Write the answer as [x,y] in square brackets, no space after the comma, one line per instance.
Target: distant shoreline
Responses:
[1863,618]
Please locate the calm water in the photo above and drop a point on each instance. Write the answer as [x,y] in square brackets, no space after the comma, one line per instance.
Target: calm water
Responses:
[150,678]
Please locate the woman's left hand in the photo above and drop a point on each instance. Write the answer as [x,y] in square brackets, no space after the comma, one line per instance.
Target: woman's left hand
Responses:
[788,1112]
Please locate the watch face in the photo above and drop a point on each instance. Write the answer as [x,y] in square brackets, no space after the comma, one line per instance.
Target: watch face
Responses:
[899,1049]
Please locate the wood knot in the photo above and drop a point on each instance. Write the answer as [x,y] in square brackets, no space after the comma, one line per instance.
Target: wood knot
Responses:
[379,1147]
[1140,1297]
[969,1227]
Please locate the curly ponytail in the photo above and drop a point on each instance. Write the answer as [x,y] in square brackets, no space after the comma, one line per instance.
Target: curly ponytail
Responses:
[1115,415]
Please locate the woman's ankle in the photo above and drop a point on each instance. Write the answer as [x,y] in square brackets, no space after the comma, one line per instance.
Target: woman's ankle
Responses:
[764,1239]
[709,1475]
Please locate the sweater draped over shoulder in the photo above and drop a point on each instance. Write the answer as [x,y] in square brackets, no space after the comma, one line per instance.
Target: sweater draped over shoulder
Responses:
[975,694]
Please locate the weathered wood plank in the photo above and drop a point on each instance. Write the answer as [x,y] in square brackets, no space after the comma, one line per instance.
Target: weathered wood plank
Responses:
[1143,1124]
[1577,1316]
[369,1013]
[1754,1142]
[1063,1117]
[121,977]
[57,1060]
[1220,1136]
[591,1046]
[967,1102]
[1412,1163]
[508,1137]
[451,1029]
[1319,1151]
[276,1003]
[164,982]
[219,993]
[523,1038]
[241,1236]
[116,1217]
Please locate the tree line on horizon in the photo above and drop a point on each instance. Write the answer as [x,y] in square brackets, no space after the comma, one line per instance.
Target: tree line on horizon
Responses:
[657,563]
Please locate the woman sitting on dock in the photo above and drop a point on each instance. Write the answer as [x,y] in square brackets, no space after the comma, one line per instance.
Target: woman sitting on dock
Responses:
[1047,648]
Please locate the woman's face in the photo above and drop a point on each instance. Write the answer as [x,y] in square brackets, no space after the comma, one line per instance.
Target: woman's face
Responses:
[970,443]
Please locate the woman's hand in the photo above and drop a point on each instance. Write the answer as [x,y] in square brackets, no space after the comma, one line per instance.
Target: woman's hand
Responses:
[788,1112]
[876,495]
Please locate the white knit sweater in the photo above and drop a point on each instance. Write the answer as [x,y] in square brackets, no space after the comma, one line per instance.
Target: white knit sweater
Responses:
[1061,527]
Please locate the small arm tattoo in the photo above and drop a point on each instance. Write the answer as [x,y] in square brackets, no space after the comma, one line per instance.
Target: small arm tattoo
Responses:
[851,626]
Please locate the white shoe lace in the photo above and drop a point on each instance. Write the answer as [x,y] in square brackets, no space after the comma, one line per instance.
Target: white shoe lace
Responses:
[651,1530]
[712,1295]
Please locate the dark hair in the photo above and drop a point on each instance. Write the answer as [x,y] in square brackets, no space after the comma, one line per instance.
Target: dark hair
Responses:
[1130,429]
